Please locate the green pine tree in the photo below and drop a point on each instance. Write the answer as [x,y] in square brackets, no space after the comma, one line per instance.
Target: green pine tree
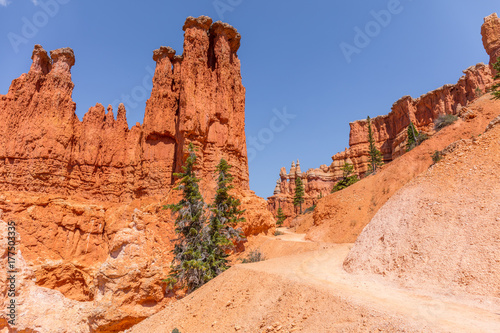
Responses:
[226,214]
[299,193]
[412,137]
[495,89]
[375,156]
[280,218]
[189,267]
[347,178]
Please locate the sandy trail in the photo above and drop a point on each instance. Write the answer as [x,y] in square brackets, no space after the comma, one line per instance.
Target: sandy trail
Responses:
[439,313]
[291,236]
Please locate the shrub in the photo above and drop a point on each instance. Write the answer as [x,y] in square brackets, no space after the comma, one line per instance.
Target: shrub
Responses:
[175,330]
[310,209]
[344,183]
[436,157]
[280,218]
[479,92]
[375,156]
[253,256]
[422,137]
[495,90]
[278,233]
[347,178]
[444,120]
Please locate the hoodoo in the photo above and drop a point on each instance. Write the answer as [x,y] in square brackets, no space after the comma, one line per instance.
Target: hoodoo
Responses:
[491,36]
[197,97]
[87,195]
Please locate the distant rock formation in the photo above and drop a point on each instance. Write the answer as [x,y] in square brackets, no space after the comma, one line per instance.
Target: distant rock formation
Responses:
[440,231]
[317,183]
[87,195]
[390,131]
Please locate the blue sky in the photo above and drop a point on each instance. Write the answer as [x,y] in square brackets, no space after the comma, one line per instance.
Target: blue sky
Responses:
[293,56]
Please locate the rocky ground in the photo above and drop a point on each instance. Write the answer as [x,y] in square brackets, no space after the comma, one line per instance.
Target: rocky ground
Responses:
[310,292]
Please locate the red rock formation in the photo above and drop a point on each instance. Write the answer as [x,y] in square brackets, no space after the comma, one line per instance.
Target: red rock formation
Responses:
[440,231]
[389,131]
[390,136]
[317,183]
[196,98]
[87,195]
[491,36]
[96,265]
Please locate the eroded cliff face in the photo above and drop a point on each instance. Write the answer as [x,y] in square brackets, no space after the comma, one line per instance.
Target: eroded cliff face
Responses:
[390,131]
[87,195]
[491,36]
[422,240]
[390,134]
[197,98]
[92,266]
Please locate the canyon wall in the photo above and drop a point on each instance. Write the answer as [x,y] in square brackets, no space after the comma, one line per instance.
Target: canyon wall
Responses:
[390,131]
[390,134]
[87,195]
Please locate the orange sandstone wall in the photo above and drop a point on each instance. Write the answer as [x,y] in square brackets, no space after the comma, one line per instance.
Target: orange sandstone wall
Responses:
[389,131]
[390,136]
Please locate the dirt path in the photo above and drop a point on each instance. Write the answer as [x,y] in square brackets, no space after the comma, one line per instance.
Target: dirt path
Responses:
[291,236]
[250,296]
[324,268]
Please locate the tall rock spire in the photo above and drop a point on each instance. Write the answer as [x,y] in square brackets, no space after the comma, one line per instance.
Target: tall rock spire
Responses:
[196,97]
[491,36]
[298,172]
[277,189]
